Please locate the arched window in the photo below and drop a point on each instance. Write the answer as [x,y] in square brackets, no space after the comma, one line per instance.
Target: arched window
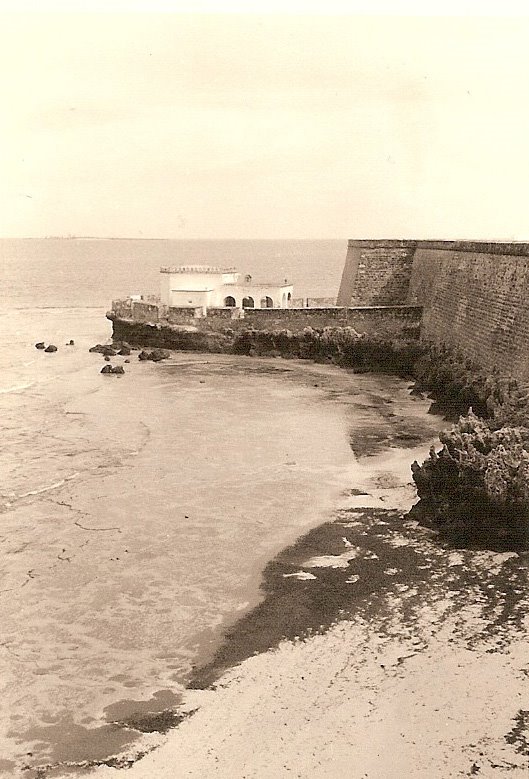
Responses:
[248,302]
[267,302]
[229,301]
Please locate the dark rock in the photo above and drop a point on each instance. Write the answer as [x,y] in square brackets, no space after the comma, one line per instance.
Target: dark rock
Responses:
[107,351]
[126,360]
[160,354]
[106,358]
[122,347]
[50,348]
[155,355]
[40,345]
[118,369]
[106,369]
[415,392]
[71,342]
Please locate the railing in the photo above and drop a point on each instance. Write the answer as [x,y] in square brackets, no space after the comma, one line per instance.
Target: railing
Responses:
[195,269]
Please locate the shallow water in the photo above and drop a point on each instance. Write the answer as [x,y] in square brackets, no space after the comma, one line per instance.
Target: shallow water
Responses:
[138,512]
[152,507]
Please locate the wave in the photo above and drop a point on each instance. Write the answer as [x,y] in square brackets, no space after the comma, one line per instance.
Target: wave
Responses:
[49,487]
[17,388]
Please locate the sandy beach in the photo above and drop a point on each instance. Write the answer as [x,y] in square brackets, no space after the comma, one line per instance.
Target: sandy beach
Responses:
[413,663]
[358,703]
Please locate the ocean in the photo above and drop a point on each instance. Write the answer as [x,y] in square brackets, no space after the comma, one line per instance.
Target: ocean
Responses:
[138,512]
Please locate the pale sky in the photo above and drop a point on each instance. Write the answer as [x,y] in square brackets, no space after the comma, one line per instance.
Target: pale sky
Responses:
[264,126]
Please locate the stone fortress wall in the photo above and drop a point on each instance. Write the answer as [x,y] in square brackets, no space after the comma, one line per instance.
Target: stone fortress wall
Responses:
[474,295]
[471,296]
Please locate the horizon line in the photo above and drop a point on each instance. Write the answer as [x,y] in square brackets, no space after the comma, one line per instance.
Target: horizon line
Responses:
[474,239]
[149,238]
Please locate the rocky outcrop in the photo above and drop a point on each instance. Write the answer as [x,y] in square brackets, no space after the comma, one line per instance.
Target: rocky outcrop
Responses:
[156,355]
[51,348]
[104,349]
[144,335]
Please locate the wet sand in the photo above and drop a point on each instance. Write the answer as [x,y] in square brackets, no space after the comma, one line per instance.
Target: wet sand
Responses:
[377,652]
[423,675]
[123,579]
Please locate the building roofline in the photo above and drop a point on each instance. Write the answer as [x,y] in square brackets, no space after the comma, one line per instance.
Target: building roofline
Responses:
[256,284]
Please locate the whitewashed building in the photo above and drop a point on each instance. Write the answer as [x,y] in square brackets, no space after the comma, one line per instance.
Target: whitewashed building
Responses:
[208,287]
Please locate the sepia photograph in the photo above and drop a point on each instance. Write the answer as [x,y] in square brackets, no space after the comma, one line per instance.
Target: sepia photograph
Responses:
[264,390]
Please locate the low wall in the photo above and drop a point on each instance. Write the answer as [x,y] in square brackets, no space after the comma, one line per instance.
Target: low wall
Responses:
[181,315]
[292,318]
[313,302]
[122,308]
[384,320]
[206,333]
[144,312]
[224,313]
[389,321]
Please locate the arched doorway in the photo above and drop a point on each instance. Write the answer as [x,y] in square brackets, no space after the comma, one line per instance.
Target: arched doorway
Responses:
[267,302]
[284,301]
[248,302]
[229,302]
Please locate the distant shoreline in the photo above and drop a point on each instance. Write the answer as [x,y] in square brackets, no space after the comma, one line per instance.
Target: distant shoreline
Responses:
[121,238]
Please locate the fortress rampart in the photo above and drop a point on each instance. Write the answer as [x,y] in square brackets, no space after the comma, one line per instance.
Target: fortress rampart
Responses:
[474,295]
[470,296]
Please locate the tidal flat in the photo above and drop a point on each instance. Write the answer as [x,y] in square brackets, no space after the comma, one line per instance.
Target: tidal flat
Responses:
[179,483]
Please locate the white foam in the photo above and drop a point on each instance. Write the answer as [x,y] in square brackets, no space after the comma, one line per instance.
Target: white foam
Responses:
[302,575]
[17,388]
[49,487]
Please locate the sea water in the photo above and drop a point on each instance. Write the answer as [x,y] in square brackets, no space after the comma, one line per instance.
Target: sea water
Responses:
[137,512]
